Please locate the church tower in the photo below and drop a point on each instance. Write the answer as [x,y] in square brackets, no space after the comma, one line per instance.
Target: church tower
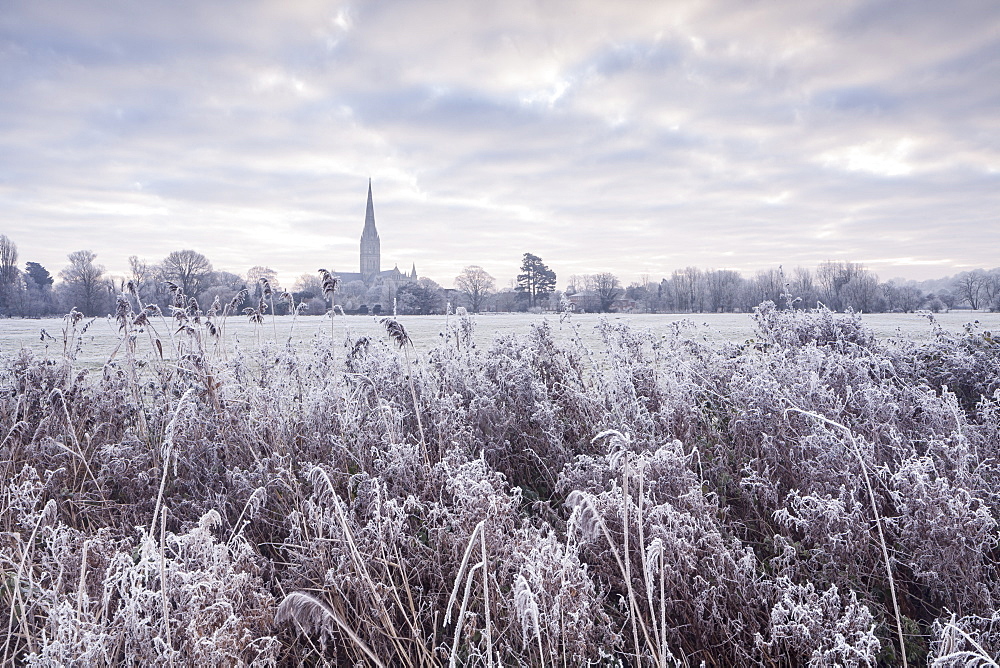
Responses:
[371,254]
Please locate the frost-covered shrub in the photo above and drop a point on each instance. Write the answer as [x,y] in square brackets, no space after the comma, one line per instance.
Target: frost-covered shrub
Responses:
[833,533]
[556,604]
[192,600]
[963,642]
[529,407]
[947,534]
[820,327]
[820,628]
[967,363]
[652,535]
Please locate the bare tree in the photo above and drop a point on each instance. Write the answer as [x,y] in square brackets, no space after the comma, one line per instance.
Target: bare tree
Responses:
[861,293]
[189,270]
[802,287]
[831,277]
[911,298]
[477,284]
[143,277]
[8,260]
[723,287]
[257,272]
[991,291]
[9,273]
[84,286]
[580,283]
[666,296]
[969,287]
[608,289]
[694,283]
[768,285]
[683,289]
[228,280]
[308,285]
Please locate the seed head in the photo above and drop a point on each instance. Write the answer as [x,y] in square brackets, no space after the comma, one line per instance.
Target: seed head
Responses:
[396,332]
[330,283]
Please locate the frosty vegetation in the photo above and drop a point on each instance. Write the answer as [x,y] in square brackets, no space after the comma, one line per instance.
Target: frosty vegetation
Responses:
[812,497]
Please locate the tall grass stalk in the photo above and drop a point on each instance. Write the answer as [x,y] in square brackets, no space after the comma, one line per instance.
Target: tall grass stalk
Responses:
[486,599]
[47,515]
[584,500]
[467,576]
[397,333]
[626,563]
[950,656]
[81,588]
[164,587]
[329,283]
[167,450]
[360,563]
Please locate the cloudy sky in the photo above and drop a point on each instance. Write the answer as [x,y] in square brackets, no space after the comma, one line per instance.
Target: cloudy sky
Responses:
[632,137]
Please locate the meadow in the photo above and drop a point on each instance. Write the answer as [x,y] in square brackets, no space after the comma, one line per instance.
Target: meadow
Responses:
[774,489]
[102,336]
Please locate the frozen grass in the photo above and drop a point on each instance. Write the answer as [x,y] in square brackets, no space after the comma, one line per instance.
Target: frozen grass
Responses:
[102,337]
[810,492]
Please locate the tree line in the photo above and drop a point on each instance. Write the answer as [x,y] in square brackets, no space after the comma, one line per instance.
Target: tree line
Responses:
[85,284]
[840,286]
[475,290]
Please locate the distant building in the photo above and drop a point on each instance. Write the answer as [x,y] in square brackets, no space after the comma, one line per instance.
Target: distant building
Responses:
[584,301]
[371,273]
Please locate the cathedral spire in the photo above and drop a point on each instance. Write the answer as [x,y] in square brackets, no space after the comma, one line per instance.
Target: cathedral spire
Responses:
[413,274]
[371,255]
[369,214]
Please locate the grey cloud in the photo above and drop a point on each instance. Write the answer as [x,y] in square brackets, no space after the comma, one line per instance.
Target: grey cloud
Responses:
[650,135]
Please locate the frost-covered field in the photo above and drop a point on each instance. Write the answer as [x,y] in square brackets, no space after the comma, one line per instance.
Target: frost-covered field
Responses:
[101,338]
[794,489]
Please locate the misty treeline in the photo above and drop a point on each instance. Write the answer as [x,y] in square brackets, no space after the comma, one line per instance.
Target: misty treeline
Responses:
[84,284]
[839,286]
[815,496]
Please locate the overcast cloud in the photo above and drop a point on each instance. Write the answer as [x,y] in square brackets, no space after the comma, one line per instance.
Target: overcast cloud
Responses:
[630,137]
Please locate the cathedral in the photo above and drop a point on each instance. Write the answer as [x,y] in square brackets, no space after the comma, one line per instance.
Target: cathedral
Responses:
[372,274]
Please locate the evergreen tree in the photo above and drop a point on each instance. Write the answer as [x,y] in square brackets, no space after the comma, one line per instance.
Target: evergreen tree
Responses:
[39,274]
[535,280]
